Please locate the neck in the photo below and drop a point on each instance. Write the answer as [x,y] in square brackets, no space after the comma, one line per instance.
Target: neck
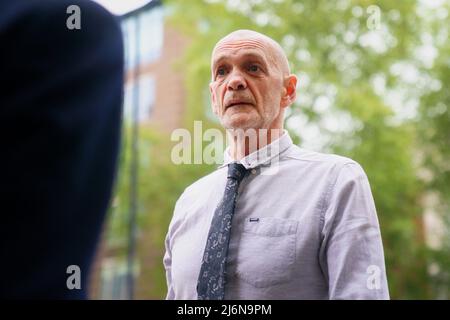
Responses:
[242,142]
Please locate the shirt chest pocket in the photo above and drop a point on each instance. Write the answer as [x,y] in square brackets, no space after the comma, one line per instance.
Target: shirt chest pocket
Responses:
[266,253]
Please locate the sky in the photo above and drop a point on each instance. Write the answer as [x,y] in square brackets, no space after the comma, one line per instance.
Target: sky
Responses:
[119,7]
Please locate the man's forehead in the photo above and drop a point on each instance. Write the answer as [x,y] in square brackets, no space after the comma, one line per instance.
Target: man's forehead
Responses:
[243,50]
[233,43]
[248,41]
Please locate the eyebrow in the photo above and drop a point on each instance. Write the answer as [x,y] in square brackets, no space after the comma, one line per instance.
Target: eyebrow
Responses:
[250,55]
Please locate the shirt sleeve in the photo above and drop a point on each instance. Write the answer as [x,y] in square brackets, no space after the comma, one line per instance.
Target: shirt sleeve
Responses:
[167,261]
[351,253]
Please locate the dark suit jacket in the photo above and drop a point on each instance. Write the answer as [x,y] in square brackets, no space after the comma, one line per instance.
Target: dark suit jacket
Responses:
[60,122]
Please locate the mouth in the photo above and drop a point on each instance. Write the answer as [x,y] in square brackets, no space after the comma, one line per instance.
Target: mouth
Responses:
[236,103]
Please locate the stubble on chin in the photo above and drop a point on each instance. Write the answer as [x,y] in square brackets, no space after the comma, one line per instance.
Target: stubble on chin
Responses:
[240,122]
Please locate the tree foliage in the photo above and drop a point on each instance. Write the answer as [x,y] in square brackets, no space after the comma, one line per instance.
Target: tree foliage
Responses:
[375,92]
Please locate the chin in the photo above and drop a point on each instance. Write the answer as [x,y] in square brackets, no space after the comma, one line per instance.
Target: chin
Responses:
[241,122]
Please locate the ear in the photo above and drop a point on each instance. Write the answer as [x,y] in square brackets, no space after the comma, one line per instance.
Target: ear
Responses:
[289,92]
[213,99]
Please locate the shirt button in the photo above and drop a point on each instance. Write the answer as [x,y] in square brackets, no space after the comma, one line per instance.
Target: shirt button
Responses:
[254,171]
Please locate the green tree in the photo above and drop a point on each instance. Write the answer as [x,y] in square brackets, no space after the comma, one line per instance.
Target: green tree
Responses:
[366,88]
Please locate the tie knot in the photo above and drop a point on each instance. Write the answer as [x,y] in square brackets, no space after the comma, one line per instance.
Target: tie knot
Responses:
[236,171]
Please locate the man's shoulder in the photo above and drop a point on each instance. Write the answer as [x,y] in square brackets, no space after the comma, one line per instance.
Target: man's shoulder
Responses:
[324,162]
[199,187]
[320,158]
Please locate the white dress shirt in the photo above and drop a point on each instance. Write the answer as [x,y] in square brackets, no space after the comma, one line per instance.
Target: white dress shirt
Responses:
[304,227]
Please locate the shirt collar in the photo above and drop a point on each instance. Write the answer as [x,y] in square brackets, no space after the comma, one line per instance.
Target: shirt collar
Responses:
[263,155]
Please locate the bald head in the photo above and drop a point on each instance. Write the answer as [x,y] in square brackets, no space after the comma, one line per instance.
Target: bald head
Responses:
[251,84]
[274,51]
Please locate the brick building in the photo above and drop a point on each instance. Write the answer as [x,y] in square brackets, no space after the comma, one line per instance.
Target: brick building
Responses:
[156,90]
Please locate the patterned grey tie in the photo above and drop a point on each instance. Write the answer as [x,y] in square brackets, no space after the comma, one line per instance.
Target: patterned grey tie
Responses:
[211,279]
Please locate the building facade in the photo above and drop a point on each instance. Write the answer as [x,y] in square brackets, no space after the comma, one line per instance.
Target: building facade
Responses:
[154,96]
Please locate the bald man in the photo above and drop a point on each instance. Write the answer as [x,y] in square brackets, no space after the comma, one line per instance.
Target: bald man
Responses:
[274,221]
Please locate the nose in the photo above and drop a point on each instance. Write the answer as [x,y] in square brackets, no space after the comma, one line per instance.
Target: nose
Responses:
[237,82]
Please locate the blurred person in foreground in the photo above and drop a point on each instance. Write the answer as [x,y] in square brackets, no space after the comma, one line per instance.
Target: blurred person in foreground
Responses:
[60,112]
[275,221]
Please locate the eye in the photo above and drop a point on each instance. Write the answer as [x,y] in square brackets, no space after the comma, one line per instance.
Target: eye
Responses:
[221,71]
[253,68]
